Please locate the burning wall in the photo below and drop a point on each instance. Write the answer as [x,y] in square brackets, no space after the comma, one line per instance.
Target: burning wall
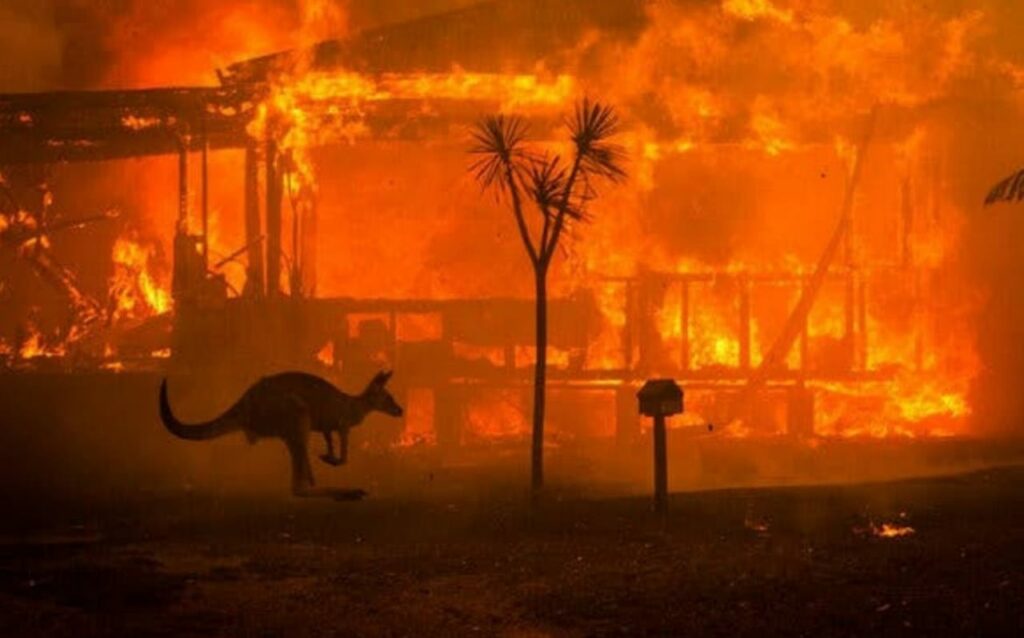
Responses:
[739,160]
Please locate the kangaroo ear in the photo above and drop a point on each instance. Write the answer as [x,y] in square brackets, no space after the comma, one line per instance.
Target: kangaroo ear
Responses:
[382,377]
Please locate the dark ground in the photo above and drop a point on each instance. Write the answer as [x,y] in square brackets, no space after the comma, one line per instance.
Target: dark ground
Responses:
[773,561]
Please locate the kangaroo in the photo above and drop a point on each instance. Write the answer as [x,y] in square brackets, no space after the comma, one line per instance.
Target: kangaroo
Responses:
[289,406]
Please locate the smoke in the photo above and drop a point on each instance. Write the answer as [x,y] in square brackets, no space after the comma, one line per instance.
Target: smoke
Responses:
[30,45]
[80,44]
[741,119]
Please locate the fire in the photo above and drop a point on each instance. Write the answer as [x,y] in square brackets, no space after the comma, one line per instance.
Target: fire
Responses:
[34,346]
[307,108]
[605,352]
[770,132]
[912,405]
[136,123]
[419,417]
[714,331]
[496,416]
[756,9]
[134,290]
[736,172]
[326,354]
[891,530]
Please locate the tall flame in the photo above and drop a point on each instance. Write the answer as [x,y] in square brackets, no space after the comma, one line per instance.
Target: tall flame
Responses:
[134,290]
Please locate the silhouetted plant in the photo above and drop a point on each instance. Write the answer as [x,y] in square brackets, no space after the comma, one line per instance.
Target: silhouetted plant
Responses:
[1010,189]
[560,191]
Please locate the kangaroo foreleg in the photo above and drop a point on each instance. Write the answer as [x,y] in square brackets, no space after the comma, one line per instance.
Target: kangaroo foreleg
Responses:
[302,474]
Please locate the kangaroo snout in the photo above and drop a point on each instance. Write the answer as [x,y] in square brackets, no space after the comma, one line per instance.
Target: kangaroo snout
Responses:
[395,410]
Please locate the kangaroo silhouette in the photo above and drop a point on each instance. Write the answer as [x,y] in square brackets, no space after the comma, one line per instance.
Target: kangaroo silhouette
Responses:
[288,406]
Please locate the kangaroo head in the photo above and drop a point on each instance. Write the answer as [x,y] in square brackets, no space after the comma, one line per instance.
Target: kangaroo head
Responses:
[377,396]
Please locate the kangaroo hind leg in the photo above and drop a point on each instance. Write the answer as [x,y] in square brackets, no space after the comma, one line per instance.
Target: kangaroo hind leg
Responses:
[296,439]
[302,473]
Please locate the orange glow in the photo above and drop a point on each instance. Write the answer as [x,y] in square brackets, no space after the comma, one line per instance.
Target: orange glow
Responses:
[307,109]
[133,288]
[419,418]
[734,173]
[326,354]
[891,530]
[34,346]
[496,416]
[136,123]
[755,9]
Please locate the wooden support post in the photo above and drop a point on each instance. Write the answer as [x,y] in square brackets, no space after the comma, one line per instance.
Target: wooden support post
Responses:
[660,466]
[684,327]
[183,186]
[744,323]
[646,331]
[627,331]
[254,284]
[181,280]
[310,227]
[273,208]
[295,272]
[393,339]
[448,416]
[804,343]
[800,412]
[205,199]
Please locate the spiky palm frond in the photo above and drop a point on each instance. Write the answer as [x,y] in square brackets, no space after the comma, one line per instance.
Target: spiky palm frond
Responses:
[546,184]
[592,125]
[499,143]
[1009,190]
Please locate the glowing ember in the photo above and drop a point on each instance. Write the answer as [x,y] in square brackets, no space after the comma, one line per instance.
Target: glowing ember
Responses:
[326,354]
[419,418]
[891,530]
[34,346]
[136,123]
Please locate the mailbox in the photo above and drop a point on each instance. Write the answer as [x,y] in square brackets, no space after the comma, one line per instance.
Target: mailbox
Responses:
[660,398]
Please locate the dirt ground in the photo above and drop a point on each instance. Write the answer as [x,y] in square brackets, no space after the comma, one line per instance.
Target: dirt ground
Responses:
[769,561]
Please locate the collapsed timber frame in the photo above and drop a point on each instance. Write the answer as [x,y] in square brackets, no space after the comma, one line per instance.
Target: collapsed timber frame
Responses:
[471,344]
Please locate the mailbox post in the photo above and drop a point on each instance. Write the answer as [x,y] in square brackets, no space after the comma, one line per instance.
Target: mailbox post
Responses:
[660,398]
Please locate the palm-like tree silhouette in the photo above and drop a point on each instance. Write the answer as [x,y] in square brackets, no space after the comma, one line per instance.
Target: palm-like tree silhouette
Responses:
[560,191]
[1009,190]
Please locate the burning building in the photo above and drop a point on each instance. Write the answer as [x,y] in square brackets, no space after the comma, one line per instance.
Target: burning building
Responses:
[789,245]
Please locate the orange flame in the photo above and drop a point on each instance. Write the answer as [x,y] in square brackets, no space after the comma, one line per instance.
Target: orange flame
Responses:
[892,530]
[133,288]
[838,68]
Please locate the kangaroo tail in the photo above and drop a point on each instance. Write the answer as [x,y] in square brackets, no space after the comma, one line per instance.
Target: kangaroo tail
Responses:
[219,426]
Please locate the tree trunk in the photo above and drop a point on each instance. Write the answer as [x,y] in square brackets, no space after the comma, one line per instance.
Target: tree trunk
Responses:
[539,380]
